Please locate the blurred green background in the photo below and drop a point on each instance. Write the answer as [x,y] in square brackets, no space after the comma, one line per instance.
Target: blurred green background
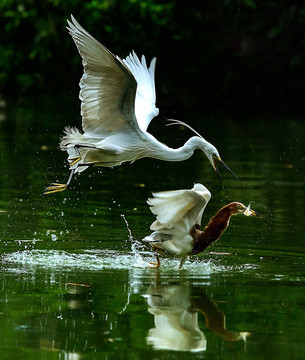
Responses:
[214,57]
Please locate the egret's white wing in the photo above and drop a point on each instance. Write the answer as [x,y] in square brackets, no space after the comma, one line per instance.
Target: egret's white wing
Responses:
[145,104]
[107,87]
[180,209]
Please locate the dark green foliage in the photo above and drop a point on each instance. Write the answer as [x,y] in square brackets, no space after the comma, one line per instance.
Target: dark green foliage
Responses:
[216,54]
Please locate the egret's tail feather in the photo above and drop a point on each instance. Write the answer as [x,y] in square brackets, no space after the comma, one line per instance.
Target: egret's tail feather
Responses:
[75,144]
[72,136]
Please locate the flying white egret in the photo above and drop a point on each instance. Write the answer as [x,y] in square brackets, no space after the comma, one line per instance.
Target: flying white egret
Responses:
[118,101]
[178,224]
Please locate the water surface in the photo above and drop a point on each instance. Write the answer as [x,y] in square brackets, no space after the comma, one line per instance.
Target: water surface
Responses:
[75,282]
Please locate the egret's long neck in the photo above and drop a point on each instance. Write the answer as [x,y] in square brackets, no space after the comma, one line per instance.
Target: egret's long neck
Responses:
[182,153]
[212,232]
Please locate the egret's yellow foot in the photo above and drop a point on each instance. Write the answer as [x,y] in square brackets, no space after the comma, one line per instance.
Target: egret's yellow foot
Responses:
[54,187]
[74,160]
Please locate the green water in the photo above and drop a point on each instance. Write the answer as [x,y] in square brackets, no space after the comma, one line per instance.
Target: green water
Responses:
[75,282]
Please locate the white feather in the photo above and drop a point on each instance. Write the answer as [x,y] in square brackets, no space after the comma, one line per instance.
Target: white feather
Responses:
[107,88]
[177,212]
[145,102]
[179,208]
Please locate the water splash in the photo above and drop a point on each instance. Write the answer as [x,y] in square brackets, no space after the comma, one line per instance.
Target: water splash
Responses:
[136,246]
[128,228]
[59,259]
[98,260]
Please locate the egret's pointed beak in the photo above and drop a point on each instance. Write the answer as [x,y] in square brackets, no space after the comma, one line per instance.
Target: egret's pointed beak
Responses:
[217,160]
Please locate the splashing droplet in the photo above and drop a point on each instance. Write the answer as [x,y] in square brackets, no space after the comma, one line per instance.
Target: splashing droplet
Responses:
[53,237]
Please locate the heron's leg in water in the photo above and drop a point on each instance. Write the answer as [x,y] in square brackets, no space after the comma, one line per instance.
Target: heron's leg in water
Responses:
[183,260]
[157,264]
[74,160]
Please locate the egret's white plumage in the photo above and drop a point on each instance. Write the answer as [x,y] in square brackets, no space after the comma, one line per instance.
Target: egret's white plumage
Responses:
[145,102]
[118,101]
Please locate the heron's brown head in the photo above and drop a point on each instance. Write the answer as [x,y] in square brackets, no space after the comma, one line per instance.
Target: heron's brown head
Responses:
[239,208]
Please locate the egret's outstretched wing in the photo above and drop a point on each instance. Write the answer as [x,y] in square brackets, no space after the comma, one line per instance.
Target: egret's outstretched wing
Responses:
[145,105]
[179,208]
[107,87]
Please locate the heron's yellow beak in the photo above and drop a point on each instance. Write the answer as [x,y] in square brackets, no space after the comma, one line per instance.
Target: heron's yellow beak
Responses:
[217,160]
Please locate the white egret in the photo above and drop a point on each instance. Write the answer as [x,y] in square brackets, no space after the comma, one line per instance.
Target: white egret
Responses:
[178,224]
[118,101]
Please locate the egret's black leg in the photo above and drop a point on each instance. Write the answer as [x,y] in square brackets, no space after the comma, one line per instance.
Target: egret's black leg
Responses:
[73,172]
[70,176]
[74,160]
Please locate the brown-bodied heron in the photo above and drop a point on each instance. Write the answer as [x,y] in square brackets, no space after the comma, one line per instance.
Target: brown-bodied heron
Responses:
[178,224]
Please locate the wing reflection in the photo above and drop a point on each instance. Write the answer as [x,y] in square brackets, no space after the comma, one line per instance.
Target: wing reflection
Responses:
[175,309]
[176,326]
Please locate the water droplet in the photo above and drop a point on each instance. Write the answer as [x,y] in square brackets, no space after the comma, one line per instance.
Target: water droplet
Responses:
[53,237]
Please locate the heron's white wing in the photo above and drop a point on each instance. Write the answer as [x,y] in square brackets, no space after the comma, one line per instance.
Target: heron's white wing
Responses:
[107,87]
[179,209]
[205,193]
[145,104]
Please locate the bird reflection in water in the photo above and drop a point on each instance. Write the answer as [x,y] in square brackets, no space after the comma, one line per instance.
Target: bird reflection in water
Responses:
[175,309]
